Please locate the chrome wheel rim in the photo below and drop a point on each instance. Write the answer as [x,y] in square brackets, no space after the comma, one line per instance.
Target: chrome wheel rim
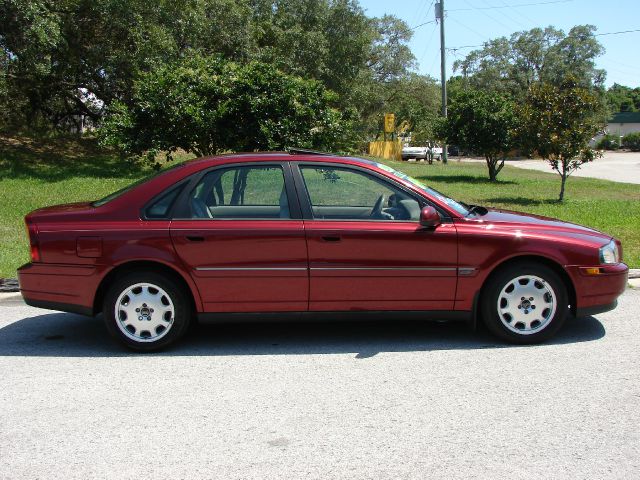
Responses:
[526,304]
[144,312]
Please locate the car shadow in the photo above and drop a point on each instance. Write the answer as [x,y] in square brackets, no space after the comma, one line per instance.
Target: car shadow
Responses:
[69,335]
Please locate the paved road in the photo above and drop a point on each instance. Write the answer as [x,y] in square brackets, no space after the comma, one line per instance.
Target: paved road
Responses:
[615,166]
[319,401]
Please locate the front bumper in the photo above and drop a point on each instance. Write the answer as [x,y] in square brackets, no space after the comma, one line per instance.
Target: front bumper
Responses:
[598,293]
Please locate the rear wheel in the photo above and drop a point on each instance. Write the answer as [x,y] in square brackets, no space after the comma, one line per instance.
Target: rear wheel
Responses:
[525,303]
[146,311]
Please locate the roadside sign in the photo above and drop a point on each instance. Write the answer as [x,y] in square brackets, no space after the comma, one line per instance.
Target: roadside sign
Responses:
[389,122]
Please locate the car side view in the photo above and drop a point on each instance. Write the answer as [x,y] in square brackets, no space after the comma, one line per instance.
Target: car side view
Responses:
[298,234]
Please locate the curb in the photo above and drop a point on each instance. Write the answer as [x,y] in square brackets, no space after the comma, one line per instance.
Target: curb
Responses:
[634,273]
[8,285]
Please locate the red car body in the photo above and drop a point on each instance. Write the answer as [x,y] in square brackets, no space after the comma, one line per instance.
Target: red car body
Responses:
[303,264]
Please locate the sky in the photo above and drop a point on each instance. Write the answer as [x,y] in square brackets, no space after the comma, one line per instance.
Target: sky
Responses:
[472,22]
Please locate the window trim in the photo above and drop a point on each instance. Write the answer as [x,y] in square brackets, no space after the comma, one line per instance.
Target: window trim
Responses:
[305,199]
[181,208]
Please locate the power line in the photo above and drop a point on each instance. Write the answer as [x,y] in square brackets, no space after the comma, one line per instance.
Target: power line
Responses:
[495,20]
[423,24]
[515,5]
[595,35]
[425,15]
[616,33]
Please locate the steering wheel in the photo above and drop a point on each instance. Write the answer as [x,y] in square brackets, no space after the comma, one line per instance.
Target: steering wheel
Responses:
[376,212]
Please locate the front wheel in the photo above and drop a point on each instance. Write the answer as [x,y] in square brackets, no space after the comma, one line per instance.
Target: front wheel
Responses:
[525,303]
[146,311]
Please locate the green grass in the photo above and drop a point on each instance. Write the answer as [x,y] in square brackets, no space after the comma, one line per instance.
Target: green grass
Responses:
[36,174]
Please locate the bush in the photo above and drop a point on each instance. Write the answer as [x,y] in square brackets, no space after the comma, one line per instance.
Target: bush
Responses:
[208,105]
[608,142]
[632,141]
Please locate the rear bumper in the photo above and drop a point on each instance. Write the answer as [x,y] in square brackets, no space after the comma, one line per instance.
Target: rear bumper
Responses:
[69,288]
[598,293]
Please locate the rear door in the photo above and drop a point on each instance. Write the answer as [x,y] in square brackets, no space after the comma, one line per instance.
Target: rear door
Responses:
[367,250]
[240,232]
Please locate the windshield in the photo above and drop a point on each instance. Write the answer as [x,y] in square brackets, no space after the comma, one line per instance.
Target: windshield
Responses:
[457,206]
[122,191]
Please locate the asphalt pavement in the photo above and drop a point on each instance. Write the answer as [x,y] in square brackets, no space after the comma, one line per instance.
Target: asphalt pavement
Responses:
[614,166]
[320,401]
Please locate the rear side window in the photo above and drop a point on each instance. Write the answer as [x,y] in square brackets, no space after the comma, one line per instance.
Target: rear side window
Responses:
[246,192]
[160,208]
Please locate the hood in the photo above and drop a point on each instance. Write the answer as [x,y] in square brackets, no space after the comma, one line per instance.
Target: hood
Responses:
[530,223]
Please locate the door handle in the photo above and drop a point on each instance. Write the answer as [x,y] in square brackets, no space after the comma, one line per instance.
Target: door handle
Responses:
[192,238]
[330,238]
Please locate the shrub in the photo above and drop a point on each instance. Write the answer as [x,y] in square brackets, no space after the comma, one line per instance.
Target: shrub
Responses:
[632,141]
[608,142]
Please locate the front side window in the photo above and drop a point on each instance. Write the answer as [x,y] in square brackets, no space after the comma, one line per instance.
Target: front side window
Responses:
[341,193]
[245,192]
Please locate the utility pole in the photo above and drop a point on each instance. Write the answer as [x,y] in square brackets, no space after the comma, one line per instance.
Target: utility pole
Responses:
[443,68]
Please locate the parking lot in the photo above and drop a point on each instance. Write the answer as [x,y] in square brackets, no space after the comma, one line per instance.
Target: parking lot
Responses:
[357,400]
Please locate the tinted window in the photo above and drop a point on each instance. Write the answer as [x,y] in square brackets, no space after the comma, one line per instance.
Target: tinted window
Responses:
[241,193]
[160,208]
[339,193]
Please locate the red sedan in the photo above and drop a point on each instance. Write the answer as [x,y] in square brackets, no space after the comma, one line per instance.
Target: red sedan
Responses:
[305,234]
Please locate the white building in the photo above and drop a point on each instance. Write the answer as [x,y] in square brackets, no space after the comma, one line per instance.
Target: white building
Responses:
[620,124]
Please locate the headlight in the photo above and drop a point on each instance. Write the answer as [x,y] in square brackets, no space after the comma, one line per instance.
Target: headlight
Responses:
[609,253]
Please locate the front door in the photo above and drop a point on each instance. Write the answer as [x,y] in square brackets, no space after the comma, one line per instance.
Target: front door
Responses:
[367,250]
[239,236]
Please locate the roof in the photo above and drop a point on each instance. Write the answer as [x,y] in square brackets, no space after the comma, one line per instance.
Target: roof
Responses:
[625,117]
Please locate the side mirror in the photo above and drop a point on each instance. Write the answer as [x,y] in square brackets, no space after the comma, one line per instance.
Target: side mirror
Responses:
[429,217]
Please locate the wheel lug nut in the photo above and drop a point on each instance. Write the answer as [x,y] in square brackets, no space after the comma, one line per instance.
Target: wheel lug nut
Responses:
[139,318]
[531,299]
[137,309]
[521,298]
[519,307]
[151,310]
[533,307]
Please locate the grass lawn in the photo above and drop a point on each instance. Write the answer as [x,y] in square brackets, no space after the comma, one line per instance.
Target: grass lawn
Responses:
[36,174]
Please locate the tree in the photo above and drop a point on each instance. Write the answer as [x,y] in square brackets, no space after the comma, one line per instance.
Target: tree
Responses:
[207,105]
[481,122]
[557,122]
[59,53]
[64,59]
[622,99]
[539,55]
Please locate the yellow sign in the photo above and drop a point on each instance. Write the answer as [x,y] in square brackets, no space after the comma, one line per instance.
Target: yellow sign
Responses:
[389,122]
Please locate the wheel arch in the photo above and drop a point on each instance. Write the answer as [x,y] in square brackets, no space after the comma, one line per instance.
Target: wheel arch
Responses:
[540,259]
[146,265]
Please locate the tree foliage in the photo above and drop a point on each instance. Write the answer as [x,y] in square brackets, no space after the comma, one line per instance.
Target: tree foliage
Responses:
[546,55]
[623,99]
[210,105]
[62,59]
[557,122]
[482,122]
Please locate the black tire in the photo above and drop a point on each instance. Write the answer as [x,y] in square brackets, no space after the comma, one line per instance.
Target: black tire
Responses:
[497,316]
[175,294]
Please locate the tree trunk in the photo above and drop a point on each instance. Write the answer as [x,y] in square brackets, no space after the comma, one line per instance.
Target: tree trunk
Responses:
[491,165]
[563,176]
